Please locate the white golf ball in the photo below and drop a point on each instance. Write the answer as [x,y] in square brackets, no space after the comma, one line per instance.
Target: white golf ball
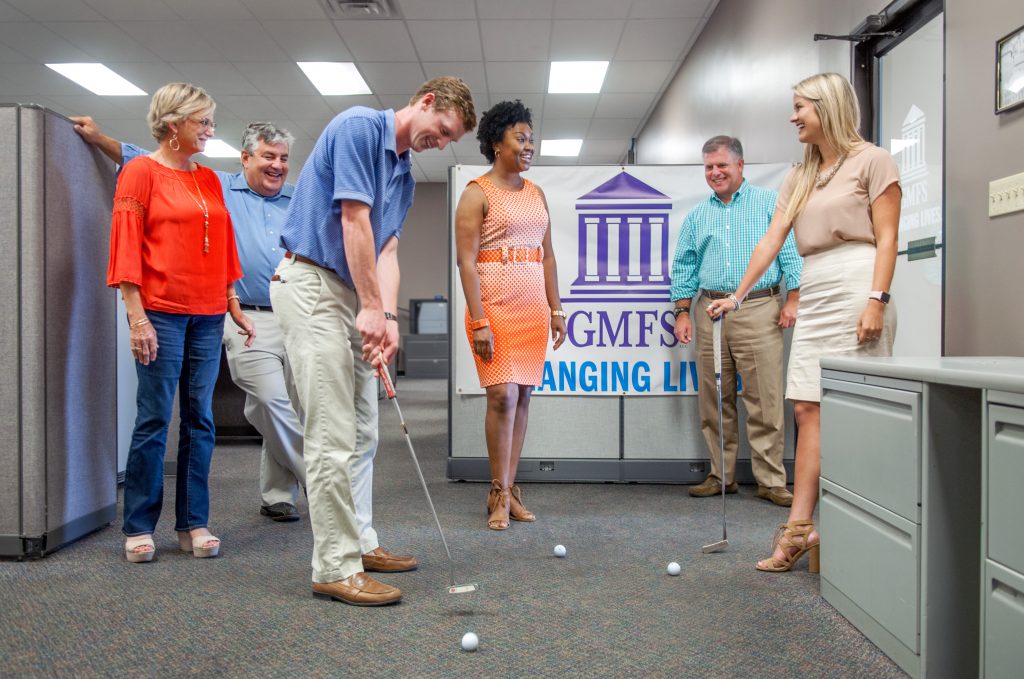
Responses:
[559,551]
[470,642]
[673,568]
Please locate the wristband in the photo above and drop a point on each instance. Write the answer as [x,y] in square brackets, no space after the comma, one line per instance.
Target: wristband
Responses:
[881,295]
[479,323]
[388,316]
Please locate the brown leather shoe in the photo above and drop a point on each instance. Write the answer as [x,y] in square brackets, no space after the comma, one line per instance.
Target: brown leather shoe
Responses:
[379,561]
[358,590]
[712,486]
[777,494]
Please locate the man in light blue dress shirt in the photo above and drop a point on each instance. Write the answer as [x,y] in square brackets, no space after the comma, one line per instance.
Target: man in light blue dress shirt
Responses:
[715,244]
[258,199]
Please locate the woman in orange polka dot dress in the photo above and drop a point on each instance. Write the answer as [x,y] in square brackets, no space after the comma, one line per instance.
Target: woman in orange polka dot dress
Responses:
[507,266]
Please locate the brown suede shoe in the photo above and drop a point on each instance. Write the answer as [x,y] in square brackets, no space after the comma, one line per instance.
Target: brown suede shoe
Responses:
[777,494]
[712,486]
[358,590]
[379,561]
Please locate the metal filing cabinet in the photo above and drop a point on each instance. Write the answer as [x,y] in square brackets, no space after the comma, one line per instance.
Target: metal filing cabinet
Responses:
[426,355]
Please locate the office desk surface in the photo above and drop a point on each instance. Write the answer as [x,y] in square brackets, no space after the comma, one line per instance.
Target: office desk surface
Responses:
[981,372]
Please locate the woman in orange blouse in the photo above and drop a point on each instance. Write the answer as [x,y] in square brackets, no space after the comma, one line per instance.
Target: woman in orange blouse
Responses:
[172,254]
[507,266]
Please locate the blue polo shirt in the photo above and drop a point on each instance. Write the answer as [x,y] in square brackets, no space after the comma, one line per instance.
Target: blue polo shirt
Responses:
[257,221]
[355,158]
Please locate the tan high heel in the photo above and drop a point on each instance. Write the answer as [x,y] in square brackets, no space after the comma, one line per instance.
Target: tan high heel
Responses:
[497,506]
[517,511]
[200,546]
[793,539]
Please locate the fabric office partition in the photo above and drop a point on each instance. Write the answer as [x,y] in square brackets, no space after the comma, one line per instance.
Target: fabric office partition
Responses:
[58,463]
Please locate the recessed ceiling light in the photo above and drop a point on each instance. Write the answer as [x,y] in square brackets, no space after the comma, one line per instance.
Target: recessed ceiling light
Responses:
[560,147]
[334,77]
[217,148]
[576,77]
[98,79]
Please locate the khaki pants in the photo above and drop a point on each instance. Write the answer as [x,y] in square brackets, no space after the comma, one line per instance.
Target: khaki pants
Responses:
[752,347]
[338,399]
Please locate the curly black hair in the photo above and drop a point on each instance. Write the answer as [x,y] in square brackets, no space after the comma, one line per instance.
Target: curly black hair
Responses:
[496,120]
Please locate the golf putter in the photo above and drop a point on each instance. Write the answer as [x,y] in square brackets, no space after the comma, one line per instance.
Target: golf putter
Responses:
[389,388]
[716,327]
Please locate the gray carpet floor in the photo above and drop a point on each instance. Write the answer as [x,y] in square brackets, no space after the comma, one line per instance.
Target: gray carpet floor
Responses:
[608,609]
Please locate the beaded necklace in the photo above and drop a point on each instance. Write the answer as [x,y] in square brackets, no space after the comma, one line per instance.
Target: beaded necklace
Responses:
[825,177]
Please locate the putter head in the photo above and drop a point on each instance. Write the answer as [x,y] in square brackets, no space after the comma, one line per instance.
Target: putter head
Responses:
[462,589]
[715,546]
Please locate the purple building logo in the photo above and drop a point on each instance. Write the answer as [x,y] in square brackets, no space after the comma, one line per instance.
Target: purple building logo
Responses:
[623,243]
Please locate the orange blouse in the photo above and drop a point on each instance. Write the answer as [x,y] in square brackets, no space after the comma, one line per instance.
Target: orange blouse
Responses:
[156,238]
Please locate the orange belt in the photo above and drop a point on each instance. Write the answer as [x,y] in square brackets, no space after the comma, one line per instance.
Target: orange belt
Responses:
[507,254]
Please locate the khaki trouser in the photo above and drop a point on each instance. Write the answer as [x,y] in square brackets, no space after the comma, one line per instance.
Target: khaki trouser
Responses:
[752,347]
[338,398]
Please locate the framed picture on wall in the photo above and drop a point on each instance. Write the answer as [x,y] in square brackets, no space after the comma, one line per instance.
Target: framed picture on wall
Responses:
[1010,71]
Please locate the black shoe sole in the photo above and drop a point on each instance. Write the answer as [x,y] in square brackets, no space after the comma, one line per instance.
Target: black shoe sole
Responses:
[368,569]
[331,597]
[281,518]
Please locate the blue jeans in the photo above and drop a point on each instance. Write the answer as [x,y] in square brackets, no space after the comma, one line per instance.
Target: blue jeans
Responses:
[188,356]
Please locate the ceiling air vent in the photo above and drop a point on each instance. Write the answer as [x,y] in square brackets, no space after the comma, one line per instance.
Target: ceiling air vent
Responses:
[360,9]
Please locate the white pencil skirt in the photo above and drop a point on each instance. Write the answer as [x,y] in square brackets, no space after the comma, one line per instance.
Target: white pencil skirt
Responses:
[834,289]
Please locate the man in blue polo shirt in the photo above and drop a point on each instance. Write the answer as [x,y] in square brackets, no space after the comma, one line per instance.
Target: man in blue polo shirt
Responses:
[336,296]
[257,198]
[715,244]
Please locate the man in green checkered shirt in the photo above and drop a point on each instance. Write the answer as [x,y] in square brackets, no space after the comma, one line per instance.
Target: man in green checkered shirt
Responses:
[715,244]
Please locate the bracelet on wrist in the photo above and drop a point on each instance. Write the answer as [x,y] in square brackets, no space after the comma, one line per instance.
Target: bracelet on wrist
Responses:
[479,324]
[680,310]
[234,297]
[138,323]
[734,300]
[558,312]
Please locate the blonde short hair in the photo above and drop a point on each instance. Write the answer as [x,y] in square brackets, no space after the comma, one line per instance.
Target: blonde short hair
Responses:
[836,105]
[450,93]
[174,102]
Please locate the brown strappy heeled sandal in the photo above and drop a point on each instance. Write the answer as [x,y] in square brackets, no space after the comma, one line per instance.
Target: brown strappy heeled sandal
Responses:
[517,511]
[793,539]
[497,506]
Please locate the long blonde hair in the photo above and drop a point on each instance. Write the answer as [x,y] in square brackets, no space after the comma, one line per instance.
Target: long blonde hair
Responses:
[839,113]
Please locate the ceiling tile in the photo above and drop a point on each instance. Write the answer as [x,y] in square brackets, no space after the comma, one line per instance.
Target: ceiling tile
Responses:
[147,76]
[394,101]
[585,40]
[65,10]
[533,101]
[215,76]
[210,10]
[511,40]
[392,77]
[241,40]
[337,104]
[564,128]
[101,40]
[305,107]
[276,78]
[623,105]
[7,55]
[521,9]
[589,9]
[312,127]
[613,128]
[249,107]
[517,76]
[39,43]
[656,39]
[8,13]
[467,149]
[292,9]
[308,40]
[670,9]
[438,9]
[89,105]
[569,105]
[446,40]
[470,71]
[603,150]
[38,79]
[132,10]
[377,40]
[637,76]
[172,40]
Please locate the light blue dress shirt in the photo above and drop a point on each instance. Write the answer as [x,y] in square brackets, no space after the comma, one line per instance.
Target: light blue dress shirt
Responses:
[257,221]
[716,242]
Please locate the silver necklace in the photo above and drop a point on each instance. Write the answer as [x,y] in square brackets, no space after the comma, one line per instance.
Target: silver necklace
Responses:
[203,207]
[825,177]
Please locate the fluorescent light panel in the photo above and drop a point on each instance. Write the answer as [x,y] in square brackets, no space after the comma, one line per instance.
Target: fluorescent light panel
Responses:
[334,77]
[560,147]
[98,79]
[216,148]
[576,77]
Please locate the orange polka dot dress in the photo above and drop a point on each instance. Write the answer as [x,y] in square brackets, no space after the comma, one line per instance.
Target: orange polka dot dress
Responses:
[512,292]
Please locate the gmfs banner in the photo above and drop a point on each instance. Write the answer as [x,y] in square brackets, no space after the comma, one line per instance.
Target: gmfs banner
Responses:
[614,231]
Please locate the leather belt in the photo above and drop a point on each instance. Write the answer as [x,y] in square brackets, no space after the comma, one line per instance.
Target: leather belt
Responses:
[305,260]
[255,307]
[506,254]
[756,294]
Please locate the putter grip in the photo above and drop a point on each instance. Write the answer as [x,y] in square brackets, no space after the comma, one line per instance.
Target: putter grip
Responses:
[716,333]
[385,377]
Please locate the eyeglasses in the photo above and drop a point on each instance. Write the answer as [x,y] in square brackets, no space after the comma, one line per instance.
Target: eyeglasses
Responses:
[205,122]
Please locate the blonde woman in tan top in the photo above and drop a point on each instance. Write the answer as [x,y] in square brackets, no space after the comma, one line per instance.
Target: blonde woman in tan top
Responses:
[843,204]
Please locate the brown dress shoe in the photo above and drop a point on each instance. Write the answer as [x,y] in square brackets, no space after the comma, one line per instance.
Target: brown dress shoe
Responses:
[777,494]
[358,590]
[379,561]
[712,486]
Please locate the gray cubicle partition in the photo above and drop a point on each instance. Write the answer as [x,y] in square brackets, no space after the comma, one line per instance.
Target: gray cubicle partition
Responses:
[58,463]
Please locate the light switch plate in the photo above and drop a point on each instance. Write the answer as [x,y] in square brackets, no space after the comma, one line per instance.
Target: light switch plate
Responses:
[1006,195]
